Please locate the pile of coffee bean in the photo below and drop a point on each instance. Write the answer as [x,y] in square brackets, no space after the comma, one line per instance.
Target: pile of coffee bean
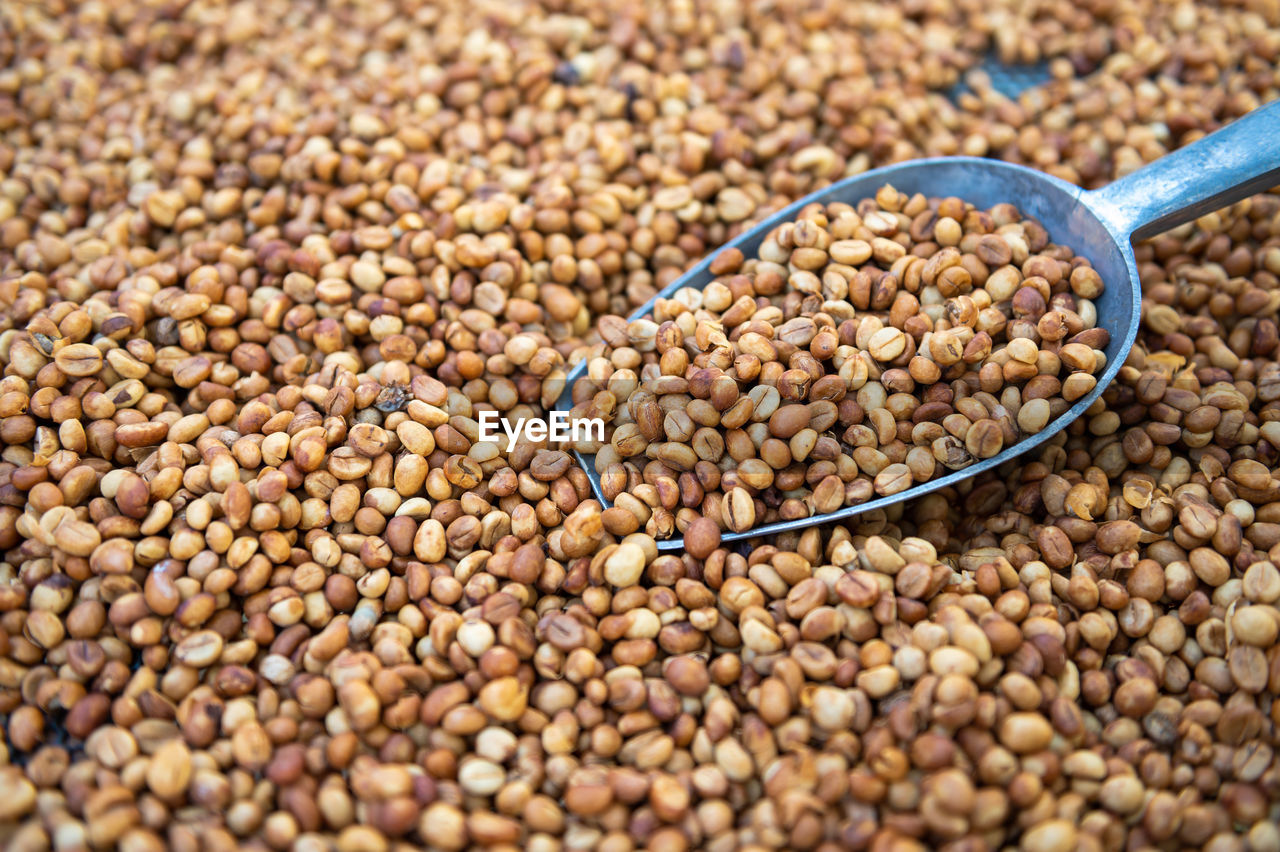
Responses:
[265,266]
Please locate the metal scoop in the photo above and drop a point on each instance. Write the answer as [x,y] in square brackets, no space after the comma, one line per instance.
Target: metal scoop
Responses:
[1235,162]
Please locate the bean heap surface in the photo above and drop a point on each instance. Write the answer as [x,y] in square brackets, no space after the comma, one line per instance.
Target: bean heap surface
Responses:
[264,266]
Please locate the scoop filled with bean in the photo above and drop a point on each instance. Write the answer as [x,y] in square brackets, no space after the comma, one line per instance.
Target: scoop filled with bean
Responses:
[884,337]
[863,349]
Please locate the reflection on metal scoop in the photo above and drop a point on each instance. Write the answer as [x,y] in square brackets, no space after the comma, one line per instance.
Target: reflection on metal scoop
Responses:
[1235,162]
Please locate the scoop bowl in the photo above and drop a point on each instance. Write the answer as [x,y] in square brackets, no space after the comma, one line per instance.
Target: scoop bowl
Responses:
[1226,166]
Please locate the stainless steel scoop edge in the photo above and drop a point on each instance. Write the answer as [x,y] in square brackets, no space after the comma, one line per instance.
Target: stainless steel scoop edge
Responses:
[1238,160]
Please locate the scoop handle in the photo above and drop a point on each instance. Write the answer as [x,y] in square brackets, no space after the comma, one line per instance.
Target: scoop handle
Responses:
[1229,164]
